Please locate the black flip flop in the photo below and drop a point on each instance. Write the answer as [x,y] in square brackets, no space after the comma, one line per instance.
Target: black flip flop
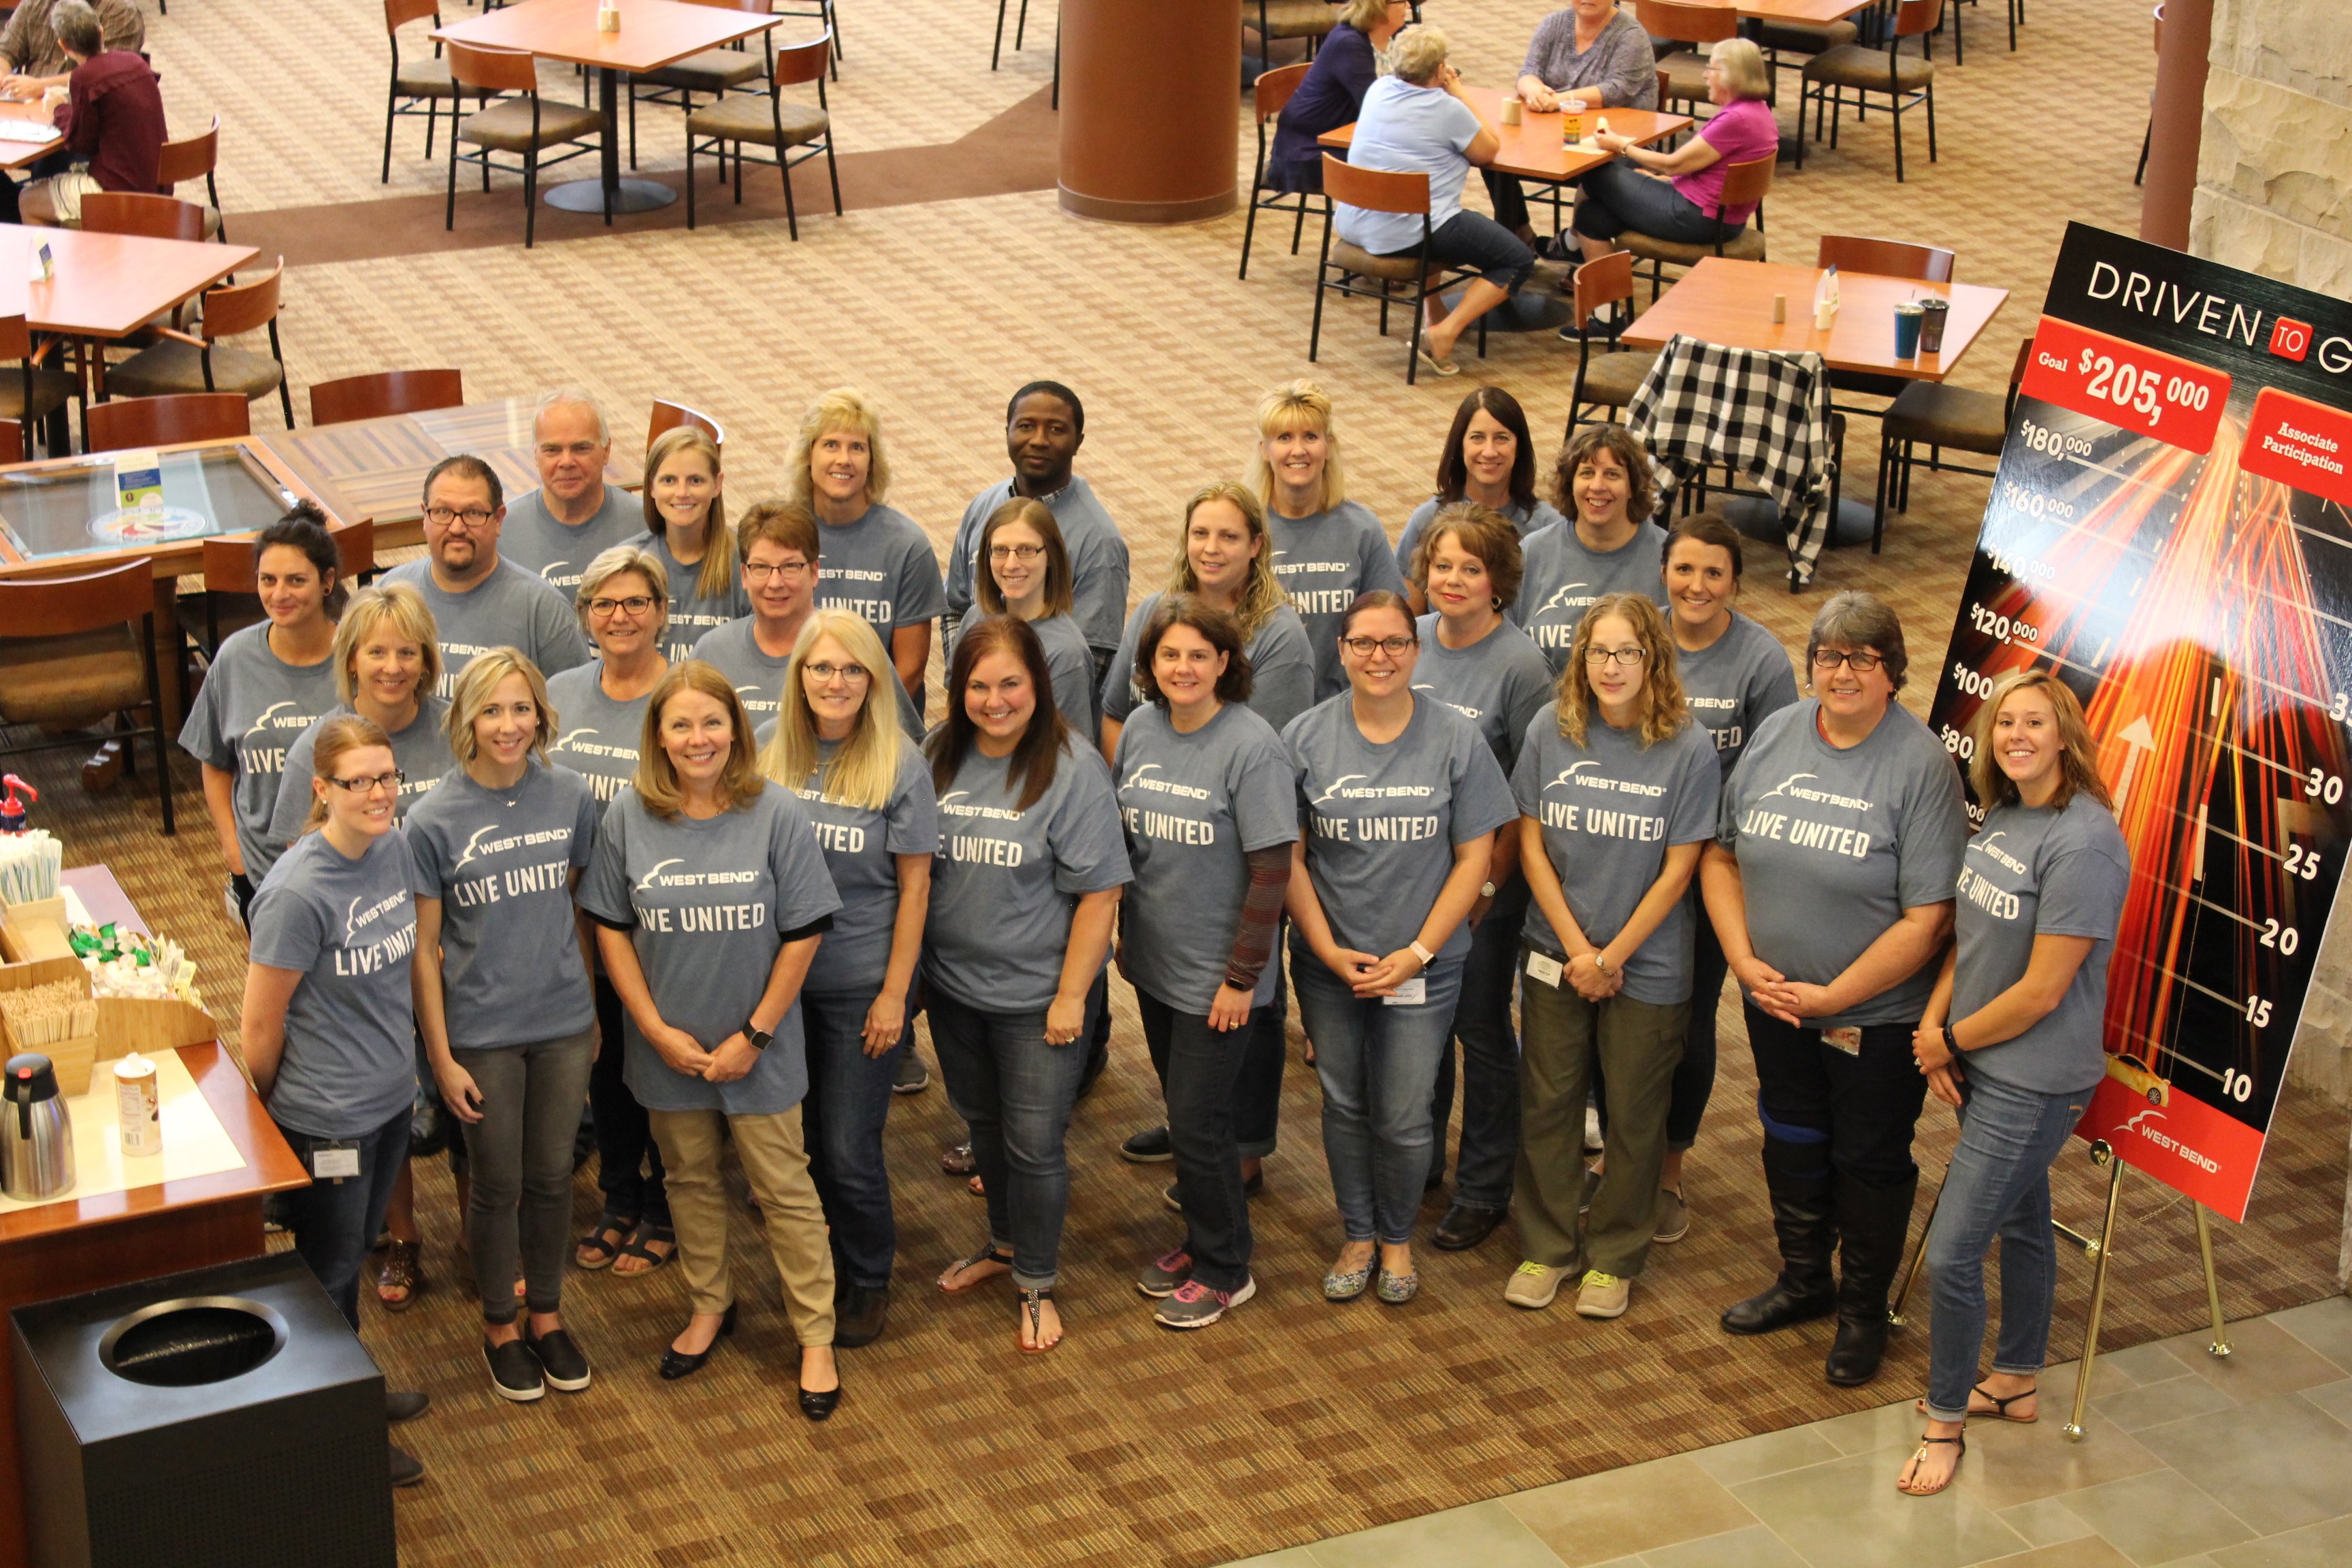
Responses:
[640,1245]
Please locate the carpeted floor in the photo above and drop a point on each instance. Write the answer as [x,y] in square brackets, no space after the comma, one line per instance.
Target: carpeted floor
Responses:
[954,278]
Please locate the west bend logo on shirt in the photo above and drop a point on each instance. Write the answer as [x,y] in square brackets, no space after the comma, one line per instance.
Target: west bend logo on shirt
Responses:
[755,700]
[601,786]
[1794,791]
[1602,821]
[1140,779]
[1467,713]
[1980,890]
[351,959]
[1167,826]
[271,723]
[547,876]
[274,717]
[1570,599]
[694,920]
[1804,832]
[1380,829]
[1315,601]
[977,849]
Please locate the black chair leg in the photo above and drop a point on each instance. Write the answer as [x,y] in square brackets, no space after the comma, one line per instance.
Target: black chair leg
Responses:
[1895,112]
[530,197]
[390,104]
[689,180]
[996,51]
[792,217]
[1249,224]
[833,172]
[1931,123]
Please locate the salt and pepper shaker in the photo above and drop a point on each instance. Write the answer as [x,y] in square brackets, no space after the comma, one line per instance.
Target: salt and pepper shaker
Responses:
[608,18]
[1779,309]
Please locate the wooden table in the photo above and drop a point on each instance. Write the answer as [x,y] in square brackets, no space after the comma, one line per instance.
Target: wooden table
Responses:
[88,1243]
[22,154]
[1730,302]
[654,34]
[1532,149]
[105,285]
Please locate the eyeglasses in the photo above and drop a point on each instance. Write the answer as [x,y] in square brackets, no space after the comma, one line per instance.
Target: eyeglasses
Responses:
[1631,657]
[372,782]
[1861,661]
[850,674]
[1364,648]
[472,517]
[760,571]
[1015,551]
[635,604]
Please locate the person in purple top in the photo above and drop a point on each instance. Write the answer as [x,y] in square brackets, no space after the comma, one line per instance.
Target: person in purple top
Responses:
[1675,196]
[1345,64]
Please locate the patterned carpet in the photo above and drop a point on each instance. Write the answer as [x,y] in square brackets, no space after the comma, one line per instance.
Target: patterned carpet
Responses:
[1295,1420]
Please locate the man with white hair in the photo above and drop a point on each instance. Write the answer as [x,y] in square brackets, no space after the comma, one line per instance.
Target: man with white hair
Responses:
[573,516]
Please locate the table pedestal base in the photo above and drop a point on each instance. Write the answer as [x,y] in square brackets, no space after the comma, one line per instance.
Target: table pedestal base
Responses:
[631,196]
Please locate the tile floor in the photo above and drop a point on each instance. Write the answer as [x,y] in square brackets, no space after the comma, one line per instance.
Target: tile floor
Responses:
[2190,1461]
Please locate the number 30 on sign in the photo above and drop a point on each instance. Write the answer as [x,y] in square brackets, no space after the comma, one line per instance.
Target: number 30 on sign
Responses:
[2126,384]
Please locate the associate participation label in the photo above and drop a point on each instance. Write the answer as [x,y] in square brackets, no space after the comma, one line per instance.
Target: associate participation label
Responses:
[2137,388]
[2300,443]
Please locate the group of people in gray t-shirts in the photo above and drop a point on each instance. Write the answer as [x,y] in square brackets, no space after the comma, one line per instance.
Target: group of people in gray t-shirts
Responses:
[523,847]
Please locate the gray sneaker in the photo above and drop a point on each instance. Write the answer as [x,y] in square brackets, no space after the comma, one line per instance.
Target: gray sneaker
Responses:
[1195,1306]
[1674,1216]
[1165,1274]
[1592,1185]
[913,1077]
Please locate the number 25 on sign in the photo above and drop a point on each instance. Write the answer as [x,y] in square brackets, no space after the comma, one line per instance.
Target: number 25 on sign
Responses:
[2136,388]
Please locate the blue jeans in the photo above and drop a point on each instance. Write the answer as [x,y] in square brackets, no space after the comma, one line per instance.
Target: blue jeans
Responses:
[1490,1061]
[1015,1091]
[1377,1064]
[1198,1067]
[1617,197]
[335,1223]
[848,1101]
[1999,1184]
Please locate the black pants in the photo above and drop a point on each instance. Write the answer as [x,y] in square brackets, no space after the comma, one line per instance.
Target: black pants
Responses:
[1198,1067]
[335,1221]
[629,1165]
[1859,1109]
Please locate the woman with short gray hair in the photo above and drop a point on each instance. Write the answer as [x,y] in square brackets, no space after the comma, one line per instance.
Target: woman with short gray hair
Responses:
[1849,812]
[1678,196]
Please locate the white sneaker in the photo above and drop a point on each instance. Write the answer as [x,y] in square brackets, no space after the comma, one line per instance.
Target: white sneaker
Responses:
[1533,1286]
[1592,1130]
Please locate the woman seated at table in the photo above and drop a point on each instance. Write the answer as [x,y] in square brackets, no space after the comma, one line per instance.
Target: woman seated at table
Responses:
[1589,54]
[111,120]
[1675,196]
[1345,67]
[1421,120]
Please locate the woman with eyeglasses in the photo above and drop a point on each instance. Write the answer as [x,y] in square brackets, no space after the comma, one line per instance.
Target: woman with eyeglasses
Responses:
[1327,549]
[1844,819]
[504,1000]
[329,1018]
[1023,890]
[1490,459]
[265,685]
[839,746]
[1400,799]
[686,531]
[1602,483]
[710,897]
[622,602]
[777,544]
[1476,662]
[1616,791]
[1026,573]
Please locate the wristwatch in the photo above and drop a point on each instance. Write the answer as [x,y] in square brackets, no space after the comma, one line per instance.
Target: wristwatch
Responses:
[1951,1041]
[1421,952]
[1486,889]
[756,1035]
[1601,961]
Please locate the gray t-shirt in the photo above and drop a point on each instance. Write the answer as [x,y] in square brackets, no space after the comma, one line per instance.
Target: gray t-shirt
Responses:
[251,709]
[880,568]
[1071,663]
[1194,807]
[1530,519]
[1006,882]
[1325,560]
[692,613]
[2033,872]
[596,736]
[758,677]
[858,846]
[1383,820]
[1098,553]
[1497,683]
[1563,579]
[509,608]
[1282,669]
[559,552]
[420,751]
[500,862]
[348,929]
[1734,685]
[1834,845]
[1610,810]
[706,905]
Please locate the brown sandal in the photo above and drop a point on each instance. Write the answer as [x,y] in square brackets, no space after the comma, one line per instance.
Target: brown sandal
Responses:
[988,1255]
[402,1269]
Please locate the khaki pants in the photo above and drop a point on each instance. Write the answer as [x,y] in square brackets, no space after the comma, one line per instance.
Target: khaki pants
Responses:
[777,1162]
[1639,1045]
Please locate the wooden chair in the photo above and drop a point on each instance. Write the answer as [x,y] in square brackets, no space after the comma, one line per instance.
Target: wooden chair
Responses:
[80,650]
[1274,90]
[828,19]
[231,601]
[192,158]
[129,424]
[419,87]
[149,216]
[521,124]
[1019,30]
[182,361]
[12,441]
[669,417]
[767,121]
[1742,184]
[36,396]
[1935,416]
[1346,270]
[1887,258]
[1609,379]
[1276,20]
[1906,83]
[385,392]
[714,73]
[1682,76]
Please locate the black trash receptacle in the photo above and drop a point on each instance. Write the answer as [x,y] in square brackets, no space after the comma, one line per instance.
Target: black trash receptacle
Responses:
[226,1417]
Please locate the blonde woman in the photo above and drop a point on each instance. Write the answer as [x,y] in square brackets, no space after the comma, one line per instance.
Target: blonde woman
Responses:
[838,745]
[2013,1037]
[878,562]
[1616,790]
[686,531]
[1026,573]
[329,1018]
[504,1002]
[710,897]
[1327,549]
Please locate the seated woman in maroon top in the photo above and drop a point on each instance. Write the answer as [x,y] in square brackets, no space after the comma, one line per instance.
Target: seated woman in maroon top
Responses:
[112,120]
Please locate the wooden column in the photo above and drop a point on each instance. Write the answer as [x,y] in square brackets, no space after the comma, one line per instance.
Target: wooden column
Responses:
[1150,109]
[2176,122]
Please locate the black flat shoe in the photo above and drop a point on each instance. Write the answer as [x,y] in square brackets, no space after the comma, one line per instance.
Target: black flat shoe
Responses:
[676,1364]
[1465,1226]
[820,1406]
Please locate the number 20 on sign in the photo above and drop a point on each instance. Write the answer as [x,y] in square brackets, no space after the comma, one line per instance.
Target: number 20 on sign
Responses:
[2136,388]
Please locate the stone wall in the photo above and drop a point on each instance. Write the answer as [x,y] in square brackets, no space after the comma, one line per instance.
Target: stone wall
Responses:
[2275,164]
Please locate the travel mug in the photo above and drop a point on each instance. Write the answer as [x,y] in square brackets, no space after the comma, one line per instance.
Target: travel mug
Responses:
[1907,319]
[1934,313]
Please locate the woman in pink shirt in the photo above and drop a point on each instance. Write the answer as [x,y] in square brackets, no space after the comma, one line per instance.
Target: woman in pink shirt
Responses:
[1675,196]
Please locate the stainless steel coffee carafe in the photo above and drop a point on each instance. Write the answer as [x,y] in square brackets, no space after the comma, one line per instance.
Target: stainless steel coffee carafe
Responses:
[37,1159]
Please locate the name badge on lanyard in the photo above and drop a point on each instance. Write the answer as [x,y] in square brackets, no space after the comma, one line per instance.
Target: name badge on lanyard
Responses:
[335,1161]
[1409,993]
